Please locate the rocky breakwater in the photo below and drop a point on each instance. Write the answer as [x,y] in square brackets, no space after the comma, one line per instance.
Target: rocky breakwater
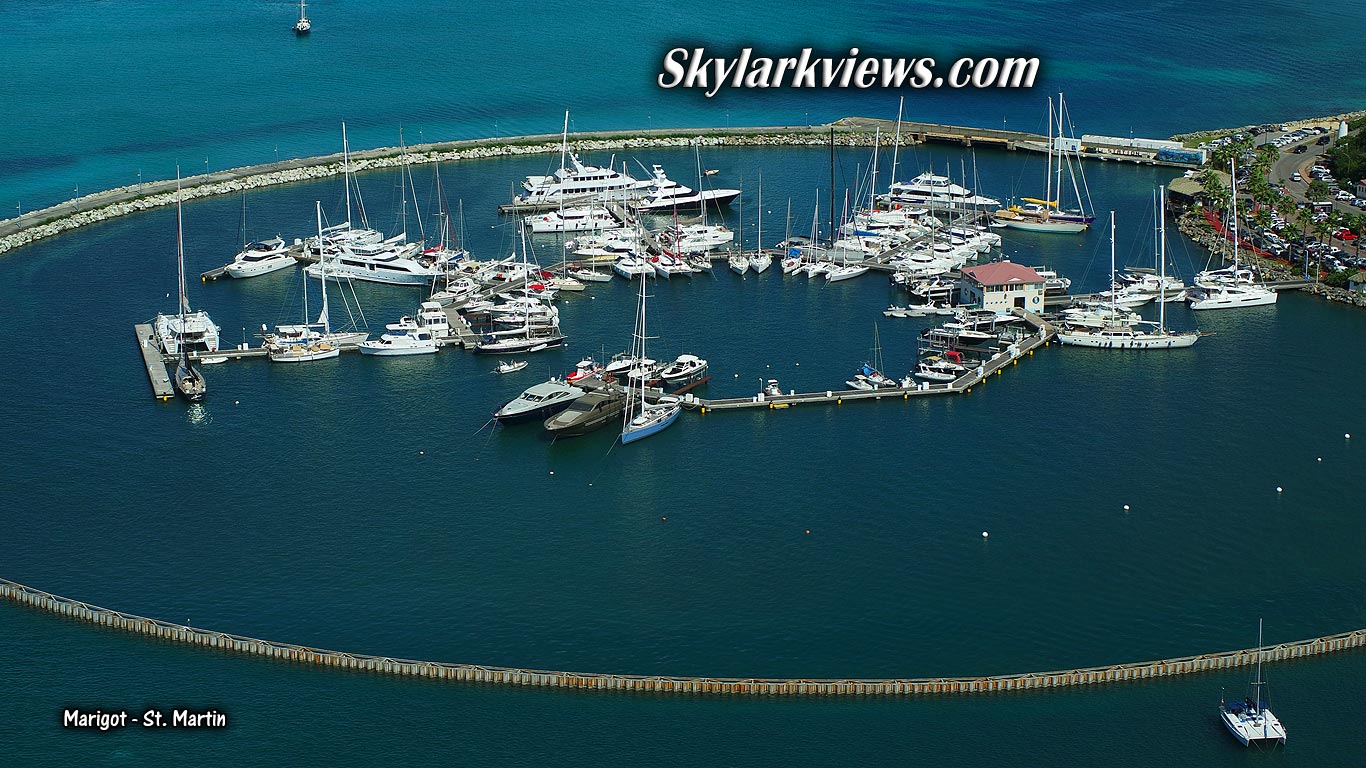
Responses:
[108,204]
[1195,226]
[1341,295]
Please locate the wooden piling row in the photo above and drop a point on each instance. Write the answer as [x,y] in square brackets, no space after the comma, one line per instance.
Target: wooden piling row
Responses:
[473,673]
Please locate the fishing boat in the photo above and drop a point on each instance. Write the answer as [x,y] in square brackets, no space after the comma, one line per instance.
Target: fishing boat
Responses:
[539,401]
[590,412]
[583,369]
[1251,720]
[511,366]
[303,26]
[684,369]
[640,418]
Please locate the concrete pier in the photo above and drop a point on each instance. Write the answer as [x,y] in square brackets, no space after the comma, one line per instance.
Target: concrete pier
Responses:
[737,686]
[154,363]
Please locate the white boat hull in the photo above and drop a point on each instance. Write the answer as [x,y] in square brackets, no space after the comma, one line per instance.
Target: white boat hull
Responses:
[257,268]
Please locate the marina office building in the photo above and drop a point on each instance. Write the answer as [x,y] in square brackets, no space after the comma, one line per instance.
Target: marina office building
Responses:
[1002,286]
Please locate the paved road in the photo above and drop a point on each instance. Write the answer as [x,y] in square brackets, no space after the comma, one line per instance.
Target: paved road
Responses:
[1290,163]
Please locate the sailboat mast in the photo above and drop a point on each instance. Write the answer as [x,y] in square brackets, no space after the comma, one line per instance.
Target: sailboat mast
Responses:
[346,177]
[1112,264]
[759,238]
[1233,199]
[872,185]
[1057,188]
[180,267]
[564,141]
[1048,175]
[896,145]
[832,186]
[1162,259]
[327,321]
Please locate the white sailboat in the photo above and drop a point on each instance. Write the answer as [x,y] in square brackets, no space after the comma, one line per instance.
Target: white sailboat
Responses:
[307,341]
[643,419]
[303,26]
[1250,720]
[186,330]
[1237,289]
[1046,215]
[761,260]
[1129,334]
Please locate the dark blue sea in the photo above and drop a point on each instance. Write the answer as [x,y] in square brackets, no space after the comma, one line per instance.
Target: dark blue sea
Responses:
[366,505]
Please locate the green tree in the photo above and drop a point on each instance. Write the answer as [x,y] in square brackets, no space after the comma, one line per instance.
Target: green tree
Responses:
[1268,154]
[1318,190]
[1357,225]
[1262,218]
[1215,191]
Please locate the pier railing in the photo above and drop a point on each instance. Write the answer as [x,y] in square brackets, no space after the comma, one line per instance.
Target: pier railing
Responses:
[475,673]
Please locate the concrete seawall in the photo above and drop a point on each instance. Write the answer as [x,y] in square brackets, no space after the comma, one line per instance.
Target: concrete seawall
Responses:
[473,673]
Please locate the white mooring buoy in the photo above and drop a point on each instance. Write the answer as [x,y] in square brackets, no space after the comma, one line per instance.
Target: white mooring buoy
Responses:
[1126,507]
[984,534]
[1279,489]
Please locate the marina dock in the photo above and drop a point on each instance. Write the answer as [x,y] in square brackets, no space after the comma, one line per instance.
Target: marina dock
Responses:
[675,684]
[1043,334]
[153,362]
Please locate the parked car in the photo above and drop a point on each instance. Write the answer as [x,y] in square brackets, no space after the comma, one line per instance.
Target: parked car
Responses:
[1296,176]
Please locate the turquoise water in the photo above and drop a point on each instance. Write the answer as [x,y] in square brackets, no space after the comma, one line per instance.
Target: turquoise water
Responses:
[295,505]
[97,92]
[366,505]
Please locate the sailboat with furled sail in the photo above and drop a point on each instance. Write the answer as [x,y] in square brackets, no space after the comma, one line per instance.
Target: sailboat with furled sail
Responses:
[643,419]
[311,341]
[188,381]
[1047,215]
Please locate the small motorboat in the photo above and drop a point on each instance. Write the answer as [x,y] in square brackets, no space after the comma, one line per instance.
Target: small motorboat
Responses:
[585,368]
[772,389]
[511,366]
[683,369]
[711,172]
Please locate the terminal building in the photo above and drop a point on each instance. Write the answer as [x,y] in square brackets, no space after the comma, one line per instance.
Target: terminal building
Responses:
[1002,286]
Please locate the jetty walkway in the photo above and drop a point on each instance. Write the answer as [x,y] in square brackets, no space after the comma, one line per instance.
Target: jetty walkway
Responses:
[475,673]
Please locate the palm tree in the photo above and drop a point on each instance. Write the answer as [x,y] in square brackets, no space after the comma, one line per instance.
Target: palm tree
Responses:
[1318,190]
[1358,226]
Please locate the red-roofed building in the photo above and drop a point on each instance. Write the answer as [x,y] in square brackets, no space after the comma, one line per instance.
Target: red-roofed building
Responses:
[1002,286]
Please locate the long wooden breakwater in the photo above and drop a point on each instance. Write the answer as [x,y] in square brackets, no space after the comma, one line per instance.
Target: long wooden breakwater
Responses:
[475,673]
